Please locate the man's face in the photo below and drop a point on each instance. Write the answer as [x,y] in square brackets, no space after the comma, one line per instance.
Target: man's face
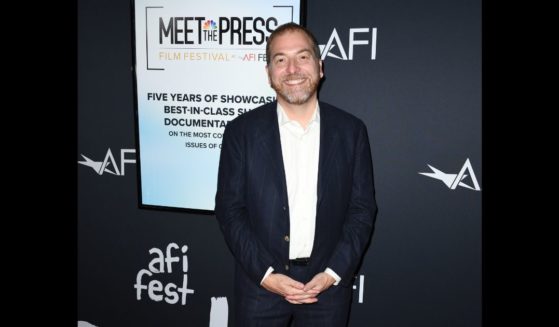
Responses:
[293,70]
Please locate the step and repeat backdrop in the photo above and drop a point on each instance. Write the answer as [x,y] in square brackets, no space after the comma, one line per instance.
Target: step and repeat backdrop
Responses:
[158,81]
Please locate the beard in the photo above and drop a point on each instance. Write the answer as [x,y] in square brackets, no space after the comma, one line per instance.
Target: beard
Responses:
[299,94]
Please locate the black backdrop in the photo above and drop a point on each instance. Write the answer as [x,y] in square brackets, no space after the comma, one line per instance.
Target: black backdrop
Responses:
[421,100]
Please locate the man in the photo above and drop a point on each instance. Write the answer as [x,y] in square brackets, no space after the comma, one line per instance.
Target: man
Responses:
[295,198]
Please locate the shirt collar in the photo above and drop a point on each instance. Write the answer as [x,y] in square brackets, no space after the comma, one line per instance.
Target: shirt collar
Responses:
[283,119]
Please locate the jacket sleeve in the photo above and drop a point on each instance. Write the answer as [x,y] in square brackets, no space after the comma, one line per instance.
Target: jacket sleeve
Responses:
[360,216]
[231,208]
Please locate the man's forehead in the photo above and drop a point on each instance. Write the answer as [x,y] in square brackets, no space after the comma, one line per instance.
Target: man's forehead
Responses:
[288,40]
[292,34]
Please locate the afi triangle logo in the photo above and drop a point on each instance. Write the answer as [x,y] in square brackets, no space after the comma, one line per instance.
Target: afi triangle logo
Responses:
[466,175]
[109,165]
[335,48]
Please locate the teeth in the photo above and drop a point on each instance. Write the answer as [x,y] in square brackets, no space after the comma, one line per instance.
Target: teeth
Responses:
[294,81]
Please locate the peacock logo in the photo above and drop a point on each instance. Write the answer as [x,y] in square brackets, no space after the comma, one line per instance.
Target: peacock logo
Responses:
[209,24]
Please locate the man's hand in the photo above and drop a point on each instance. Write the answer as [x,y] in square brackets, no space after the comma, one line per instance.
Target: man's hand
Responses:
[292,290]
[320,283]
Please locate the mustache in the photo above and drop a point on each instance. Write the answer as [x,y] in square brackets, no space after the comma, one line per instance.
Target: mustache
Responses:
[293,77]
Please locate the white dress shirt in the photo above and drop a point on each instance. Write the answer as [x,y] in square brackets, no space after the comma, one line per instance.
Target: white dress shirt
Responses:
[300,150]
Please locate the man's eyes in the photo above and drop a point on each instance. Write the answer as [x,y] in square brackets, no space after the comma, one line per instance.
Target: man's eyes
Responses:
[300,58]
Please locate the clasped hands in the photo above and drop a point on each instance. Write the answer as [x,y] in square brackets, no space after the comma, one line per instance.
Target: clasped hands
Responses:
[296,292]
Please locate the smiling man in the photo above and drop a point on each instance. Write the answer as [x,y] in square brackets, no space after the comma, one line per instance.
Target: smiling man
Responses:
[295,198]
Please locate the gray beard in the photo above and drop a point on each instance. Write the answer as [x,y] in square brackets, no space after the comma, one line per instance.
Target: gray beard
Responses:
[295,97]
[298,97]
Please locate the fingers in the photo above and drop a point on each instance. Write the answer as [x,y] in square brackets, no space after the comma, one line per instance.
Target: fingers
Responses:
[302,298]
[310,291]
[296,292]
[295,284]
[313,285]
[320,282]
[302,301]
[317,283]
[290,286]
[283,285]
[293,292]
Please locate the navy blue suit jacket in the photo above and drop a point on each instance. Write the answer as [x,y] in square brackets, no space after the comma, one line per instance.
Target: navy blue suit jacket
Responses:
[251,200]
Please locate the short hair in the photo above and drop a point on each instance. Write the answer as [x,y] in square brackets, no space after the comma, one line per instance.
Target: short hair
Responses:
[292,27]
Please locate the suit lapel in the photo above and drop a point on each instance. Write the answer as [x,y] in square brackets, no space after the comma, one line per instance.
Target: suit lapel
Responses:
[270,144]
[328,145]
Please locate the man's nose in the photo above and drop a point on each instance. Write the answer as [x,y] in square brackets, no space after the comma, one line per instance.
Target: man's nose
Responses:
[292,66]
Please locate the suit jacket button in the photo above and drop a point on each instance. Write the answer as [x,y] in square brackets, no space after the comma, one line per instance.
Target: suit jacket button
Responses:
[286,267]
[284,208]
[286,238]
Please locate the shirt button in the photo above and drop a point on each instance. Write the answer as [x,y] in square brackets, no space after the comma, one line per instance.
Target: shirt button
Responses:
[286,238]
[286,267]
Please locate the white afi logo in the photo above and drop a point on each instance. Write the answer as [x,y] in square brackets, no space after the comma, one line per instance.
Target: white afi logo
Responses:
[162,264]
[335,44]
[108,165]
[454,180]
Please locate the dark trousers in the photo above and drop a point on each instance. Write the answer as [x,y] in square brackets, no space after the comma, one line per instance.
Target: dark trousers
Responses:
[257,307]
